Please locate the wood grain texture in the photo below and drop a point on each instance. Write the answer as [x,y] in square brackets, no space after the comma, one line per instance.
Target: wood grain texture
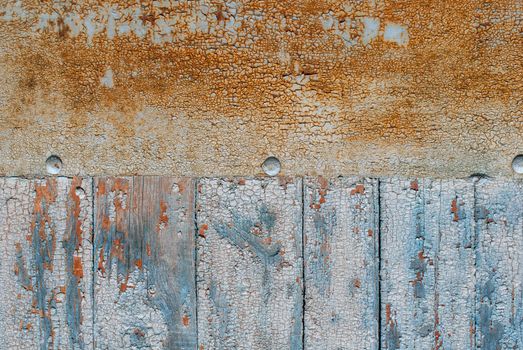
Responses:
[145,295]
[45,241]
[499,214]
[249,263]
[341,263]
[427,252]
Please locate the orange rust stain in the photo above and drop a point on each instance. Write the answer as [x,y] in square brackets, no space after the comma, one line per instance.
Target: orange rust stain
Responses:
[148,249]
[138,263]
[45,195]
[387,313]
[77,267]
[414,185]
[25,326]
[202,229]
[120,185]
[124,285]
[106,223]
[454,209]
[164,219]
[438,342]
[357,283]
[359,189]
[370,233]
[101,188]
[138,332]
[185,320]
[181,186]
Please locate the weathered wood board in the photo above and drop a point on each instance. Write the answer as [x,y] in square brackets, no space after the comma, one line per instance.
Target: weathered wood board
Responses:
[249,263]
[427,264]
[341,225]
[261,263]
[499,303]
[45,242]
[144,285]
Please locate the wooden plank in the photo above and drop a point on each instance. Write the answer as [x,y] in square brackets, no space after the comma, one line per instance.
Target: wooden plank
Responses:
[500,264]
[145,295]
[427,252]
[341,263]
[46,268]
[249,263]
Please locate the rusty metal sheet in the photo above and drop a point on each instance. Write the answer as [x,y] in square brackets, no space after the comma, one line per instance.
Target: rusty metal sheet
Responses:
[199,88]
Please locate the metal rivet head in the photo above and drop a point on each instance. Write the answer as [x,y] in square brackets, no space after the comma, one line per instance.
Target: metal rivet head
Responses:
[53,165]
[271,166]
[517,164]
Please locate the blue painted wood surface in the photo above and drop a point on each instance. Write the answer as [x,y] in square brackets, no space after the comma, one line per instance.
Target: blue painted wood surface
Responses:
[267,263]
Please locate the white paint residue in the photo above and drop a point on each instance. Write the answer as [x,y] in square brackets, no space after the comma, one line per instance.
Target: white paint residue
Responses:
[362,30]
[74,22]
[107,79]
[396,33]
[371,28]
[90,27]
[14,11]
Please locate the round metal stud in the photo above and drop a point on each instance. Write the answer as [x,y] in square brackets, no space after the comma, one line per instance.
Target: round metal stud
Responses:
[271,166]
[517,164]
[53,165]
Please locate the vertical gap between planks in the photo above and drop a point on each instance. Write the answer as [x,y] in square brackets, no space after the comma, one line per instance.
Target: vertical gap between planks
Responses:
[303,262]
[93,248]
[475,247]
[379,261]
[196,182]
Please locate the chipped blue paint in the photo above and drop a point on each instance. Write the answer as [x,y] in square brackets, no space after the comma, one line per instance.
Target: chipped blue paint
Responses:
[240,234]
[318,260]
[43,251]
[21,270]
[223,313]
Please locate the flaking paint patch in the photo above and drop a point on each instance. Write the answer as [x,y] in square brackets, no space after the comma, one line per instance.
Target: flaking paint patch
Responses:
[320,262]
[107,79]
[254,234]
[396,33]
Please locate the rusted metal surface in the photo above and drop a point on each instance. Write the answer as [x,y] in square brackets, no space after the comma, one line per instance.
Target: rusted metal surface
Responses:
[198,88]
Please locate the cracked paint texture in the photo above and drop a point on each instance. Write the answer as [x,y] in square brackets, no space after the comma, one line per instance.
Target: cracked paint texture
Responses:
[200,88]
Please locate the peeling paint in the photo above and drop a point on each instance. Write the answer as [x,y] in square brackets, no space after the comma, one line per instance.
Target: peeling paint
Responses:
[210,88]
